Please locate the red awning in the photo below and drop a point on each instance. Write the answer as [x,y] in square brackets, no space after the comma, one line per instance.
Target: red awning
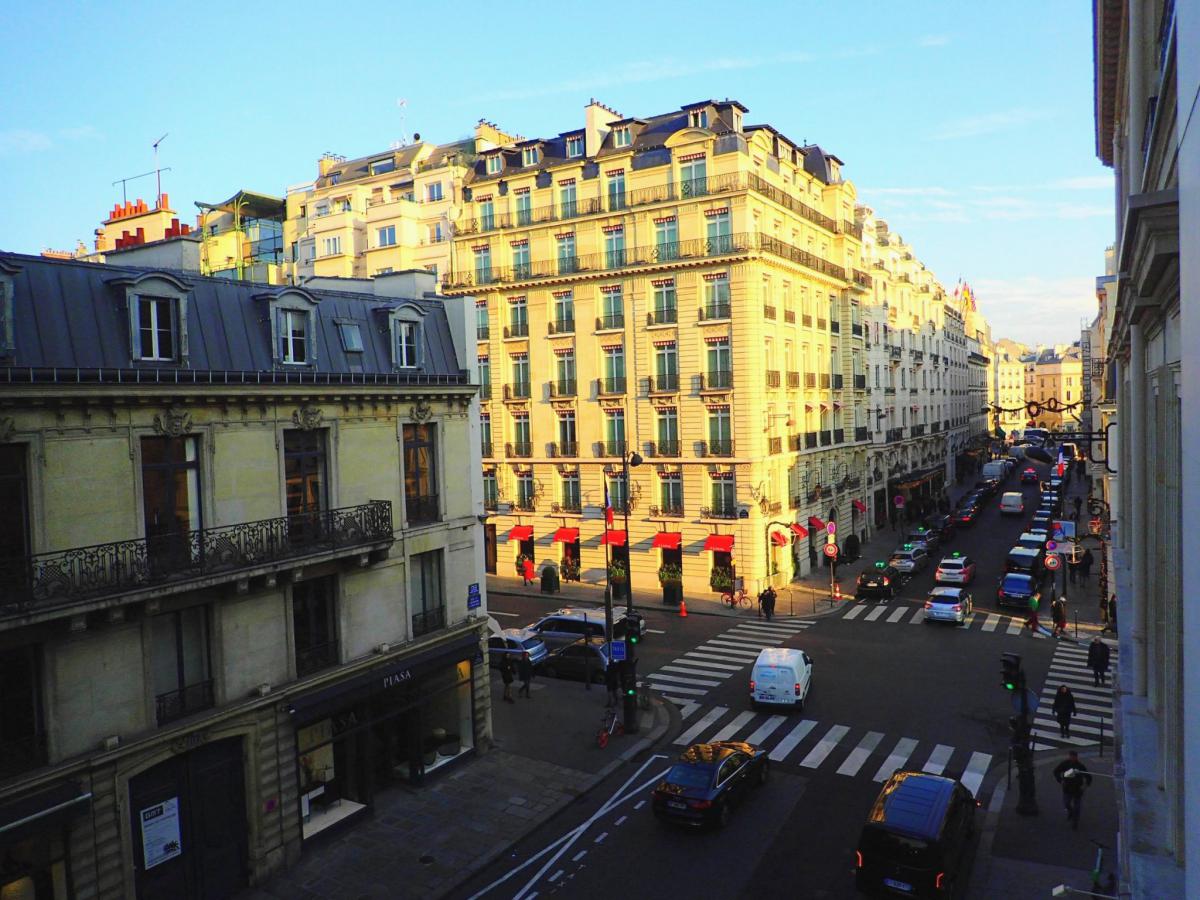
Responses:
[779,539]
[719,543]
[799,530]
[816,523]
[566,535]
[859,505]
[613,538]
[520,533]
[667,540]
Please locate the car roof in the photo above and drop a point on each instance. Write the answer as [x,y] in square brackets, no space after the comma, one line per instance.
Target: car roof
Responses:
[1016,494]
[950,592]
[1028,579]
[1022,551]
[706,755]
[955,559]
[773,656]
[913,803]
[518,633]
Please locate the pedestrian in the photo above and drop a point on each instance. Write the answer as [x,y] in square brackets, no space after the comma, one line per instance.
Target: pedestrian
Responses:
[525,673]
[527,571]
[612,680]
[506,675]
[1097,660]
[1112,614]
[1031,621]
[1072,570]
[1058,615]
[1073,775]
[1085,564]
[768,602]
[1064,708]
[1078,503]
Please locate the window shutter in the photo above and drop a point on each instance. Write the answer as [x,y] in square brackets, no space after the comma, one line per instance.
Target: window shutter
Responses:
[419,341]
[135,333]
[179,307]
[310,337]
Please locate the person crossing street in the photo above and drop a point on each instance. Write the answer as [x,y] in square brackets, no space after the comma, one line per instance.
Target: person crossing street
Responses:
[1073,775]
[1064,709]
[1097,660]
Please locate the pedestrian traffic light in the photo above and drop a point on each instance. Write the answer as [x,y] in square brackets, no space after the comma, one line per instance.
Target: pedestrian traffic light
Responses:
[1010,671]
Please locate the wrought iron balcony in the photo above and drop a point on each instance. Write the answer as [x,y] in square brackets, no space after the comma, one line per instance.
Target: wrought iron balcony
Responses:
[826,438]
[862,279]
[895,352]
[810,440]
[485,391]
[839,435]
[610,448]
[889,390]
[935,427]
[428,621]
[719,511]
[775,445]
[422,509]
[664,448]
[860,382]
[667,315]
[610,322]
[491,502]
[614,384]
[183,702]
[715,311]
[918,431]
[564,448]
[486,449]
[516,330]
[793,379]
[769,312]
[561,326]
[563,387]
[173,562]
[861,433]
[773,380]
[919,356]
[482,332]
[565,506]
[853,229]
[718,380]
[789,315]
[524,504]
[517,390]
[718,448]
[519,449]
[316,657]
[668,510]
[665,383]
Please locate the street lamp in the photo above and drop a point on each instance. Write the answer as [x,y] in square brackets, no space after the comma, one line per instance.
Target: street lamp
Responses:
[633,460]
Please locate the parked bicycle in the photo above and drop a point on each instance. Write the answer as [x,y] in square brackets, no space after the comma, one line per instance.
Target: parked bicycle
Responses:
[610,725]
[1106,886]
[737,598]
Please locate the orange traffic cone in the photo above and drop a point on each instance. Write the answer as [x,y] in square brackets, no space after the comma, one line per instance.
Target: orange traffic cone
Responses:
[837,592]
[682,609]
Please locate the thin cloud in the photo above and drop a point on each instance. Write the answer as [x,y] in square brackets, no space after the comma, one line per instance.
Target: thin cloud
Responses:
[1034,309]
[928,191]
[80,133]
[23,140]
[988,123]
[1083,183]
[934,40]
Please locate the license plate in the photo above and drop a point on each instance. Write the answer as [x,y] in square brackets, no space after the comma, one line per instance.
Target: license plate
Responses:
[898,885]
[766,698]
[676,804]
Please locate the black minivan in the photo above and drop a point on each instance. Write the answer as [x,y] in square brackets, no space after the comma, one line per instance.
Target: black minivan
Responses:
[916,842]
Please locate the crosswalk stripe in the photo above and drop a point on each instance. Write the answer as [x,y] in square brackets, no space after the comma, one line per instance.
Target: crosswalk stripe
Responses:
[678,679]
[666,688]
[1053,735]
[765,730]
[875,613]
[937,760]
[1079,688]
[798,625]
[713,662]
[1078,717]
[972,776]
[861,753]
[855,611]
[756,629]
[991,622]
[898,614]
[898,757]
[1106,711]
[738,723]
[743,644]
[686,707]
[1014,626]
[794,737]
[1046,722]
[693,670]
[750,637]
[728,652]
[918,616]
[704,722]
[824,747]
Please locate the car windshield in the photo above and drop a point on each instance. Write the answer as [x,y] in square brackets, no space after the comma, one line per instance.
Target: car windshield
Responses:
[905,850]
[952,564]
[943,598]
[531,643]
[689,776]
[1016,583]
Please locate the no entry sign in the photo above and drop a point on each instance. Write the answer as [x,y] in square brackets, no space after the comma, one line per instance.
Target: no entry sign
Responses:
[831,550]
[1053,562]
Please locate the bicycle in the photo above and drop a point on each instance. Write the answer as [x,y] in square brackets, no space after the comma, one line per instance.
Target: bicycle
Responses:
[1109,885]
[737,598]
[609,725]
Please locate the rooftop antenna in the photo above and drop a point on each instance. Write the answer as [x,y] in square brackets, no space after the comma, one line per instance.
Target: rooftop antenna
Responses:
[158,171]
[402,105]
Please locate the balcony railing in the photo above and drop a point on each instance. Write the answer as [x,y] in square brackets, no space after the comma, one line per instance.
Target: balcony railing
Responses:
[563,387]
[720,511]
[946,425]
[826,438]
[524,504]
[895,434]
[428,621]
[839,435]
[610,448]
[561,326]
[664,448]
[862,279]
[889,390]
[565,506]
[105,570]
[668,381]
[935,427]
[519,449]
[860,382]
[789,315]
[486,449]
[895,352]
[773,380]
[482,332]
[793,379]
[723,447]
[714,311]
[667,315]
[564,448]
[183,702]
[918,431]
[775,445]
[837,382]
[861,433]
[614,384]
[852,228]
[668,510]
[517,330]
[610,322]
[769,312]
[316,657]
[810,440]
[719,380]
[485,391]
[810,379]
[517,390]
[491,502]
[422,509]
[919,356]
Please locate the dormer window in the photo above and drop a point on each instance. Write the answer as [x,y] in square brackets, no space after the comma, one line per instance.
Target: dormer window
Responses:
[574,147]
[380,166]
[293,327]
[698,118]
[494,164]
[407,338]
[158,325]
[7,336]
[157,310]
[529,156]
[293,333]
[622,137]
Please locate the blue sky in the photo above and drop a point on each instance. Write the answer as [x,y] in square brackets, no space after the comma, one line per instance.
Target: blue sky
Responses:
[968,126]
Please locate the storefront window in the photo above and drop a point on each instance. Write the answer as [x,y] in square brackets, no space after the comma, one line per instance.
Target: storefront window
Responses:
[34,869]
[333,783]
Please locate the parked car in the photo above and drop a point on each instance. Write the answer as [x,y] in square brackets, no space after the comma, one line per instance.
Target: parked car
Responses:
[567,625]
[917,839]
[878,582]
[1033,540]
[1015,590]
[909,559]
[514,643]
[707,781]
[1029,476]
[781,675]
[581,660]
[948,604]
[1012,503]
[943,524]
[925,535]
[1024,560]
[988,486]
[966,515]
[955,569]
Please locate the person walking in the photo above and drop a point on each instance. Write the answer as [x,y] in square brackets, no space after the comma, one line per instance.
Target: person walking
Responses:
[1031,621]
[768,602]
[1058,615]
[1097,660]
[1072,570]
[1085,564]
[612,681]
[525,673]
[527,571]
[1064,709]
[1073,775]
[506,675]
[1078,503]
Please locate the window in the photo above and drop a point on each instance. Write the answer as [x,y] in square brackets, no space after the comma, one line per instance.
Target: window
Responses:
[569,491]
[666,239]
[170,499]
[724,495]
[698,118]
[304,482]
[180,663]
[617,494]
[716,298]
[331,246]
[335,177]
[565,370]
[564,311]
[614,368]
[483,265]
[14,518]
[482,328]
[491,489]
[524,207]
[693,177]
[521,432]
[622,137]
[385,236]
[670,487]
[435,234]
[614,248]
[487,214]
[567,261]
[667,427]
[666,367]
[485,433]
[720,235]
[314,625]
[433,191]
[574,147]
[384,270]
[720,431]
[485,375]
[567,440]
[529,156]
[612,307]
[616,189]
[525,490]
[614,431]
[518,317]
[420,474]
[20,711]
[520,373]
[157,327]
[665,302]
[351,337]
[719,374]
[494,164]
[293,336]
[380,166]
[520,259]
[322,209]
[566,197]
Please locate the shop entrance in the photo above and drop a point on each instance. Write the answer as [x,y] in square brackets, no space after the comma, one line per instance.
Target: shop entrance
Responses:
[489,548]
[527,550]
[187,821]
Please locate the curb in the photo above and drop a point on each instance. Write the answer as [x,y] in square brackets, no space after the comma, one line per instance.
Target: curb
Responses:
[566,601]
[981,875]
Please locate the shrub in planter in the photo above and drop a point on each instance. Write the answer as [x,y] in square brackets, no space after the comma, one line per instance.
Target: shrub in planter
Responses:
[669,573]
[721,580]
[569,569]
[617,573]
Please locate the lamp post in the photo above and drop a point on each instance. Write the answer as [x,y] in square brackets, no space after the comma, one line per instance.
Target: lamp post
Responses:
[633,459]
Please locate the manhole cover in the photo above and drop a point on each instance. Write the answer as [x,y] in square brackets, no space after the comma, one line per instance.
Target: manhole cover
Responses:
[425,859]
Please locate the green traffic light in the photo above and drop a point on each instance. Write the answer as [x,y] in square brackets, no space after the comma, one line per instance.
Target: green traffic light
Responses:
[1009,686]
[630,692]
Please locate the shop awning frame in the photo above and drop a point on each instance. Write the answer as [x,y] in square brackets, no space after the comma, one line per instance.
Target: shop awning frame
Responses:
[719,543]
[816,523]
[779,539]
[613,538]
[566,535]
[520,532]
[667,540]
[799,530]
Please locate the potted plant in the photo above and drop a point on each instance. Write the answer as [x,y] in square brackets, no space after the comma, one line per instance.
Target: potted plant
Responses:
[521,560]
[721,579]
[617,573]
[670,573]
[569,569]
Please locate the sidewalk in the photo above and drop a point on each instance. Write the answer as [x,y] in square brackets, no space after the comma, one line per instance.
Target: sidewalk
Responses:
[423,841]
[1027,856]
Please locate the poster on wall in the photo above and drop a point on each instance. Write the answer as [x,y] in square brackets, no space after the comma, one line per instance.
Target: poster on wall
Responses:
[160,832]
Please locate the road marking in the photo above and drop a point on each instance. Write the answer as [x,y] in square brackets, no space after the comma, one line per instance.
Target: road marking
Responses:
[655,631]
[977,766]
[937,760]
[676,689]
[898,757]
[686,707]
[1015,626]
[1053,735]
[600,837]
[681,680]
[898,613]
[764,731]
[578,856]
[756,640]
[763,631]
[855,611]
[918,616]
[732,652]
[794,737]
[785,627]
[555,877]
[696,730]
[875,613]
[692,670]
[741,643]
[825,746]
[861,753]
[701,659]
[1048,722]
[639,804]
[496,612]
[722,646]
[738,723]
[991,622]
[621,821]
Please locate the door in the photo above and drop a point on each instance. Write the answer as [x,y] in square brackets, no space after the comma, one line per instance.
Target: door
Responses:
[489,548]
[170,500]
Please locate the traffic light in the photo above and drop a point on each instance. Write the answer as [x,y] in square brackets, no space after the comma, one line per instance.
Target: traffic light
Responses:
[629,696]
[1010,671]
[633,634]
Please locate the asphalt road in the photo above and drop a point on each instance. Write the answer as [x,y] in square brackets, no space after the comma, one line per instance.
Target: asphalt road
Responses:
[887,691]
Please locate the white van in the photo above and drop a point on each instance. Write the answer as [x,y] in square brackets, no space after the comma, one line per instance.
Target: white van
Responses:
[997,468]
[781,675]
[1012,503]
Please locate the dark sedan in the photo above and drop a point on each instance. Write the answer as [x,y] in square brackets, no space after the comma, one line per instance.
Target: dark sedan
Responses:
[943,525]
[1029,476]
[965,515]
[707,781]
[1016,589]
[880,581]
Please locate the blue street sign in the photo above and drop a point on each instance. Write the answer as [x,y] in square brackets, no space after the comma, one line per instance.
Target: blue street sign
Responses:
[618,651]
[1031,701]
[473,589]
[474,601]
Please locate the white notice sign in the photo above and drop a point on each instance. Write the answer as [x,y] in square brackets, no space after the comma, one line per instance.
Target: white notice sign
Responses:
[160,832]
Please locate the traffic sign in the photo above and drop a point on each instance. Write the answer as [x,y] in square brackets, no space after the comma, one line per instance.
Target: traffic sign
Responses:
[1051,546]
[831,528]
[1031,701]
[618,651]
[1053,562]
[831,550]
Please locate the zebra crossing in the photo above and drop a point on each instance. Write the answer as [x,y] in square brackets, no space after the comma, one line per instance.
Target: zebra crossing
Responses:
[1093,703]
[845,750]
[885,613]
[688,678]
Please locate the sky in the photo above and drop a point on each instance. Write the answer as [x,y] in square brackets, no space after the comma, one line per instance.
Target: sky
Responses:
[969,127]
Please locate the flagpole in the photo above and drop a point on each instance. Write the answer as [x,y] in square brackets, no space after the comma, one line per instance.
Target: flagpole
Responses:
[608,604]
